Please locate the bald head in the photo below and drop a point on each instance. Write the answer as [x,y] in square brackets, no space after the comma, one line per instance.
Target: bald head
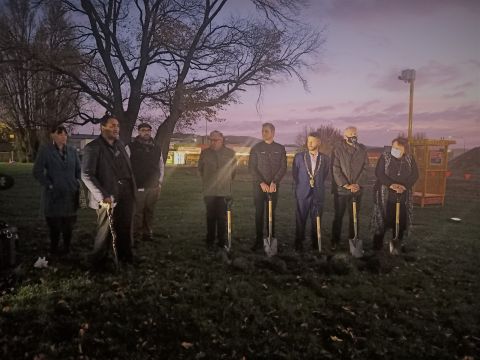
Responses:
[350,135]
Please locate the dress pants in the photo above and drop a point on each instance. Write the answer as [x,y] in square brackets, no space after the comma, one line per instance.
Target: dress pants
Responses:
[216,219]
[306,208]
[340,203]
[144,210]
[60,226]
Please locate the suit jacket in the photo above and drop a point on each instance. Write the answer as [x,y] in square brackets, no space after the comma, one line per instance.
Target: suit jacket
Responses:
[99,173]
[303,191]
[217,169]
[349,166]
[60,180]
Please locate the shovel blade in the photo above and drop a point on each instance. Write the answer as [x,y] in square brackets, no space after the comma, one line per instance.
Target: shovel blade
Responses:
[356,247]
[270,246]
[394,247]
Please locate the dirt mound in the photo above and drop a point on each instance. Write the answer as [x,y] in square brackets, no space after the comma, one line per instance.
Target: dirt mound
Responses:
[468,162]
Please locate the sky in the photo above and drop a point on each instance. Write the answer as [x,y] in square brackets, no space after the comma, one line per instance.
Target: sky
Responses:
[355,81]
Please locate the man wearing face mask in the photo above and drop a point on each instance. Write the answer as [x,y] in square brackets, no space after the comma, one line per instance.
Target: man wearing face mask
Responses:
[396,174]
[349,170]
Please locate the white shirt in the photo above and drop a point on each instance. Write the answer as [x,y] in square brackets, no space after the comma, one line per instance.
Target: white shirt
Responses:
[313,159]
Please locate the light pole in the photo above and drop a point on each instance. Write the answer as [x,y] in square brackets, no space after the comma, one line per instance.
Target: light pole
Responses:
[408,76]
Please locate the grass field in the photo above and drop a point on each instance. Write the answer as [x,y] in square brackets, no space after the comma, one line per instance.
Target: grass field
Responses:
[182,302]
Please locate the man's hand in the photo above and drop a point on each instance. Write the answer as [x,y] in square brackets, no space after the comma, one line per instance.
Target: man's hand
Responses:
[265,187]
[399,189]
[107,202]
[273,188]
[355,188]
[352,187]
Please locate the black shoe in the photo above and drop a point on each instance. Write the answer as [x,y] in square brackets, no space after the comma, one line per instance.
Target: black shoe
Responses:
[333,247]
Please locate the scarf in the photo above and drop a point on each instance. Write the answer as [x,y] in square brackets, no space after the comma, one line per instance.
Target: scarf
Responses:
[380,198]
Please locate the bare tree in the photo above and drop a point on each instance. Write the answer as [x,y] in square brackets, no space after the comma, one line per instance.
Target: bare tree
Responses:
[329,136]
[185,58]
[32,100]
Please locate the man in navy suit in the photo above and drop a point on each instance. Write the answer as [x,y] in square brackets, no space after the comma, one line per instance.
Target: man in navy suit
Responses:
[310,169]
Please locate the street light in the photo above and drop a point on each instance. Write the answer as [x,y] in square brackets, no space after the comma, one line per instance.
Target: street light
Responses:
[408,76]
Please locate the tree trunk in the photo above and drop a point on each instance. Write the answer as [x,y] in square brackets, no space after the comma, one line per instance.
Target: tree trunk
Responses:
[165,132]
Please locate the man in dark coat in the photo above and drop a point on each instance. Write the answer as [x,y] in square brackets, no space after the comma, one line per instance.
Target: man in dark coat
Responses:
[57,169]
[309,171]
[349,170]
[107,173]
[268,165]
[217,169]
[148,169]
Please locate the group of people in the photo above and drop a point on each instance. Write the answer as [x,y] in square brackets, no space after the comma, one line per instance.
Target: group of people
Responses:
[396,173]
[124,184]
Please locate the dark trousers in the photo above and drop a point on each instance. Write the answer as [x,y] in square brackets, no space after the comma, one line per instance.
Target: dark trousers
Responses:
[60,226]
[306,207]
[216,219]
[261,212]
[122,223]
[341,203]
[145,205]
[390,224]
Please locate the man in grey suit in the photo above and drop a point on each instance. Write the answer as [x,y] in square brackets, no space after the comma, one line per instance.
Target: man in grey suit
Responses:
[107,173]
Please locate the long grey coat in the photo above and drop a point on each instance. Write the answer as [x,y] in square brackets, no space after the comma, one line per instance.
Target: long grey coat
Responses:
[60,180]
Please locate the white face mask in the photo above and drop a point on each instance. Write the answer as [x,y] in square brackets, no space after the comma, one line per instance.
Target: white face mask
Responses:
[396,153]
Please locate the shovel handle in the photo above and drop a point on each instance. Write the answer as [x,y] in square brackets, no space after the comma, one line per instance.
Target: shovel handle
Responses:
[319,234]
[397,219]
[229,224]
[354,210]
[270,216]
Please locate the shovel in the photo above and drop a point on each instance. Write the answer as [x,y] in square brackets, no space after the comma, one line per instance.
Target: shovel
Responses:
[270,243]
[396,241]
[356,244]
[114,234]
[228,246]
[319,233]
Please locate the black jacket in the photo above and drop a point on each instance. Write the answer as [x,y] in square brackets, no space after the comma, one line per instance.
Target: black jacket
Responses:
[147,163]
[349,166]
[99,173]
[403,171]
[267,163]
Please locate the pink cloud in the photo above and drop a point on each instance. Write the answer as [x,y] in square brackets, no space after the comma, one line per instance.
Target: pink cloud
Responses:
[376,128]
[395,108]
[454,95]
[365,106]
[321,108]
[464,86]
[365,10]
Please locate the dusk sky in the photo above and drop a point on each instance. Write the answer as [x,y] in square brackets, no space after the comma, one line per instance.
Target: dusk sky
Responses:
[368,43]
